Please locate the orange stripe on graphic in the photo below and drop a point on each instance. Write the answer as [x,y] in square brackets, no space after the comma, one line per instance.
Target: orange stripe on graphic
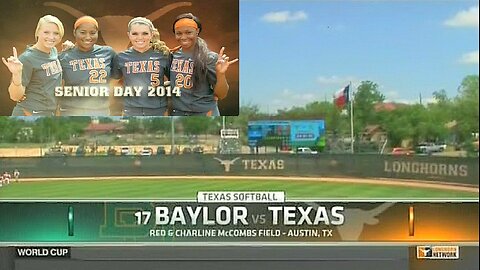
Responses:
[411,221]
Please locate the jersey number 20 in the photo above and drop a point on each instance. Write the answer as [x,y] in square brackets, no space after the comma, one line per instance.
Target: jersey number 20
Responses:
[184,81]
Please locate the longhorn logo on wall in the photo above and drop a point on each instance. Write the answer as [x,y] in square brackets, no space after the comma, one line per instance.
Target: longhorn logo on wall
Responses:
[227,163]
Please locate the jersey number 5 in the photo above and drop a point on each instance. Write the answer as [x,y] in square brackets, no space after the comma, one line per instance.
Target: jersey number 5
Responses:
[155,79]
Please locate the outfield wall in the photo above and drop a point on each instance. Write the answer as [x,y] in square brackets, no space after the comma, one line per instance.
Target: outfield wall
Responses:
[431,168]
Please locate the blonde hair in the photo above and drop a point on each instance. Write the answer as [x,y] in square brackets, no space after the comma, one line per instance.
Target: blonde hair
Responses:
[156,42]
[50,19]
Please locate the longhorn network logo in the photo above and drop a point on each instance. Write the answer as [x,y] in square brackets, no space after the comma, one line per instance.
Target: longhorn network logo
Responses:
[227,163]
[438,252]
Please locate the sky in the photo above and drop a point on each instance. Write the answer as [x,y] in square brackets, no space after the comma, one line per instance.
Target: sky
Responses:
[296,52]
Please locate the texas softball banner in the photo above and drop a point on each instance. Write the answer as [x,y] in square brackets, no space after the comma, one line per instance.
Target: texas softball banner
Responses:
[239,218]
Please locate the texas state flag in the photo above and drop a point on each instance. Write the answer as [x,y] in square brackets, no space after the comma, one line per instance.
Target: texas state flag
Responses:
[341,97]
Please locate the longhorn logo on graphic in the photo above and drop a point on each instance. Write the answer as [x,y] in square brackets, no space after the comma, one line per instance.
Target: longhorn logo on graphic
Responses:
[424,252]
[356,219]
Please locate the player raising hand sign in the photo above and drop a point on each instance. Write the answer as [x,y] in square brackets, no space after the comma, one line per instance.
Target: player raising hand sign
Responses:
[37,71]
[198,73]
[14,66]
[223,62]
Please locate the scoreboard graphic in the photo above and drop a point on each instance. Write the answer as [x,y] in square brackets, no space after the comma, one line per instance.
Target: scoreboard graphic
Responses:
[244,220]
[287,135]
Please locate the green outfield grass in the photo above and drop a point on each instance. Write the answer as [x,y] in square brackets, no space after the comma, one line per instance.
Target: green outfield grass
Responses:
[187,189]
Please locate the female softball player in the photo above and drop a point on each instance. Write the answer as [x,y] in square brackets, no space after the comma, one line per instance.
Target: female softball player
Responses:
[143,65]
[37,71]
[89,67]
[198,72]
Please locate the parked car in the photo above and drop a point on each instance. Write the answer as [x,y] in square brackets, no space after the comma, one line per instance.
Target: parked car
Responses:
[442,146]
[125,151]
[56,151]
[429,147]
[305,150]
[146,152]
[400,151]
[198,150]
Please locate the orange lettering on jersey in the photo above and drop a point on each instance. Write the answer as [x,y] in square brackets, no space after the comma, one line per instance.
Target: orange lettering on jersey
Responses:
[88,63]
[101,62]
[182,66]
[185,66]
[150,65]
[174,65]
[45,67]
[95,63]
[135,66]
[142,66]
[127,66]
[192,64]
[82,64]
[153,66]
[57,67]
[179,65]
[52,68]
[73,64]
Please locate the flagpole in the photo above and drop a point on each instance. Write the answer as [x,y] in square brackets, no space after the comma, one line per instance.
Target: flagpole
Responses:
[351,116]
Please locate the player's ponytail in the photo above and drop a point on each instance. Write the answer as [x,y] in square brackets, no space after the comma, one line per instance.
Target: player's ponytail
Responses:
[158,44]
[200,57]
